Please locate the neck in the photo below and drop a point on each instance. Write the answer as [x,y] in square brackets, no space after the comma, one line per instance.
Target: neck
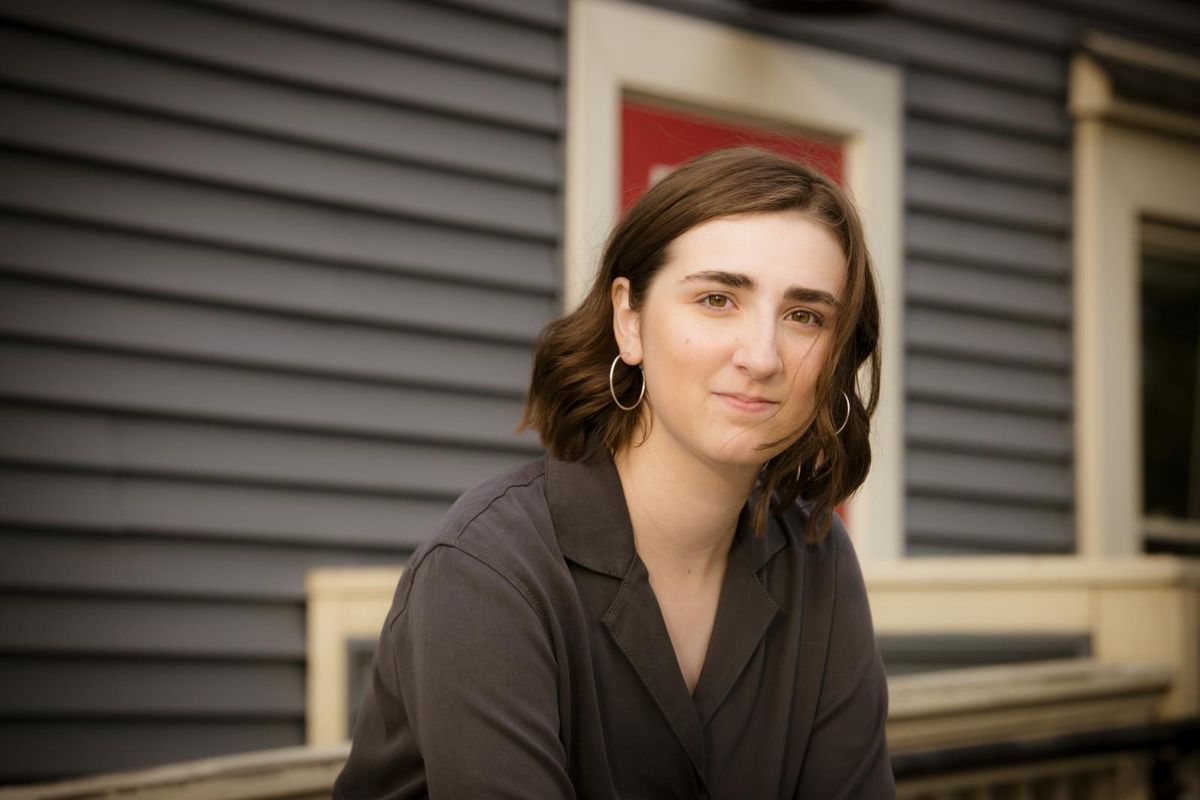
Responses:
[684,510]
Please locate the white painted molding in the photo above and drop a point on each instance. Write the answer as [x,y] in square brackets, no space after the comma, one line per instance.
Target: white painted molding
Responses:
[617,47]
[344,604]
[1122,175]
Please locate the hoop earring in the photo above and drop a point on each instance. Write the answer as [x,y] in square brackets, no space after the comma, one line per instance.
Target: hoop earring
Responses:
[841,428]
[847,419]
[612,390]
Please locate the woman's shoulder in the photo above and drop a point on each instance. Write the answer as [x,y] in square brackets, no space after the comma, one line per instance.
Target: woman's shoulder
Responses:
[501,525]
[502,502]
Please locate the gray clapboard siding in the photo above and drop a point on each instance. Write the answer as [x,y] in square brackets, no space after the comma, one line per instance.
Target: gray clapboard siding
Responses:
[977,337]
[211,37]
[547,13]
[187,330]
[990,245]
[151,385]
[136,445]
[210,511]
[103,195]
[947,191]
[970,151]
[986,385]
[110,688]
[190,270]
[36,749]
[122,78]
[126,139]
[963,288]
[1022,23]
[444,32]
[49,561]
[892,37]
[270,276]
[967,524]
[949,98]
[150,626]
[988,476]
[1173,22]
[930,424]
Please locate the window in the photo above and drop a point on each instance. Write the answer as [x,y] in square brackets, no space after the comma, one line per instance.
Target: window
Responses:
[1137,210]
[1170,354]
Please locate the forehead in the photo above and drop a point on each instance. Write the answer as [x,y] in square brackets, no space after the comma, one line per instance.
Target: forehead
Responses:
[778,249]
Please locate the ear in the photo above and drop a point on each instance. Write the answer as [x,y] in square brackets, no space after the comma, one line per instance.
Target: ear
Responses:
[626,323]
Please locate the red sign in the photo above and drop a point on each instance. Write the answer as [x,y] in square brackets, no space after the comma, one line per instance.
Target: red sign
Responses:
[655,139]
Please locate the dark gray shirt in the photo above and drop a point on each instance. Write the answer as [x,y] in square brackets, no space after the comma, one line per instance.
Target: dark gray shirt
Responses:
[525,656]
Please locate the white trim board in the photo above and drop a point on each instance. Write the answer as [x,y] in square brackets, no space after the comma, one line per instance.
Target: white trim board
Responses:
[617,47]
[1122,175]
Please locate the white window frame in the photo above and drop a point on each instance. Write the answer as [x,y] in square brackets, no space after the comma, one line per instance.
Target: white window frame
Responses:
[1131,162]
[617,47]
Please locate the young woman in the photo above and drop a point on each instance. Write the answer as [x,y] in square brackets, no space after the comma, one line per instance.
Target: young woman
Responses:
[665,605]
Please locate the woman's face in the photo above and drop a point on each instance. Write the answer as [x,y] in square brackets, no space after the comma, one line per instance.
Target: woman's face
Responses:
[732,334]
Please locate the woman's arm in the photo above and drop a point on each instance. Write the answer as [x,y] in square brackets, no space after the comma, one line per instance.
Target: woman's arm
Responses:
[847,754]
[463,699]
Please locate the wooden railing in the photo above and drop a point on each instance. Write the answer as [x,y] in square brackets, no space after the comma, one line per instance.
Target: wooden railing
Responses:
[289,773]
[1012,731]
[1066,730]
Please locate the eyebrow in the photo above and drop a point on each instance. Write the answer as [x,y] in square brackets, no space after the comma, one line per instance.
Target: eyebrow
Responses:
[740,280]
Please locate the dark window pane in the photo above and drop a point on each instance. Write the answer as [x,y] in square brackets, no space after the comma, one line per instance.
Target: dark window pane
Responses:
[1171,386]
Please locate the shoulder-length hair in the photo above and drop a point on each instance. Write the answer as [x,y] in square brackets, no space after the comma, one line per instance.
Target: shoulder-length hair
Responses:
[569,400]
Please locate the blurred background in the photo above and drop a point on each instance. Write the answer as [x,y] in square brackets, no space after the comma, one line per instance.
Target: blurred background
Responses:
[271,275]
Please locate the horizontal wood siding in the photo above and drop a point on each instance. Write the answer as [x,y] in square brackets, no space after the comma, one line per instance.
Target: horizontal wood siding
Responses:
[270,279]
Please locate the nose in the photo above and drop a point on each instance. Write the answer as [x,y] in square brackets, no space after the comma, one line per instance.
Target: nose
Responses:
[757,350]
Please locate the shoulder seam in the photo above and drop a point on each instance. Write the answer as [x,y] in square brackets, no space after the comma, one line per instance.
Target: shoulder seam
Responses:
[488,558]
[495,562]
[507,489]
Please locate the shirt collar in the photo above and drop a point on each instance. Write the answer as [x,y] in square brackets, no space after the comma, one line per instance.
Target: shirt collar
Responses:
[591,520]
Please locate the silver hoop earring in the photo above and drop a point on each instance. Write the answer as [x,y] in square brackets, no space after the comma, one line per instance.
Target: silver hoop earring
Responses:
[613,391]
[847,419]
[841,428]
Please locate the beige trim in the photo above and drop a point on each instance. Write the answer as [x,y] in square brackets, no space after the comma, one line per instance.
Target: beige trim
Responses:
[952,708]
[1136,610]
[302,773]
[616,47]
[1143,55]
[1111,776]
[344,603]
[1122,175]
[1092,97]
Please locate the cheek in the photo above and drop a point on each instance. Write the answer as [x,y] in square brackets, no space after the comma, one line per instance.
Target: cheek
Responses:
[806,366]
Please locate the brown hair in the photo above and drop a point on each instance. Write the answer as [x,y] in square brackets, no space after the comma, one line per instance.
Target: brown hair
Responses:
[569,400]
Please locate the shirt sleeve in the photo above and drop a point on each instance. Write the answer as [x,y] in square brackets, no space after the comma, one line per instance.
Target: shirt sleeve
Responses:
[848,749]
[463,700]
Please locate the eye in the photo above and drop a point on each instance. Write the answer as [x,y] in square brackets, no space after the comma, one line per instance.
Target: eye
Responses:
[715,300]
[805,317]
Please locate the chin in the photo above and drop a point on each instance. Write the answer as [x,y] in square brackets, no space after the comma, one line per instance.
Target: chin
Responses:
[749,453]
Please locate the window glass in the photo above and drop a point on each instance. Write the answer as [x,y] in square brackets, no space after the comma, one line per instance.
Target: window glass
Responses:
[1170,306]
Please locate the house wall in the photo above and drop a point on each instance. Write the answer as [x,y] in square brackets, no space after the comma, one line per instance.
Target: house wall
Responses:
[270,277]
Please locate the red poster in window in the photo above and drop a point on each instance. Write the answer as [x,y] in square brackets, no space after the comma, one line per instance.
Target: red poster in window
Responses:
[654,139]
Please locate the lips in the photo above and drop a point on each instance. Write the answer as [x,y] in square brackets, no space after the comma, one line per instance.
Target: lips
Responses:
[746,402]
